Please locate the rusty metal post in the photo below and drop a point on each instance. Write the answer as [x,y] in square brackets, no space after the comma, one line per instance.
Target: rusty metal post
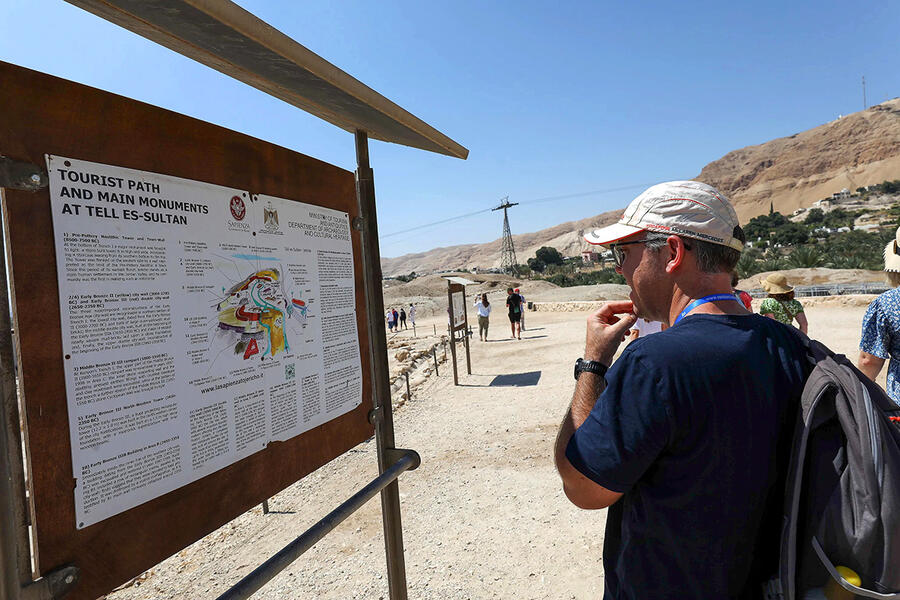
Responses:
[408,393]
[381,391]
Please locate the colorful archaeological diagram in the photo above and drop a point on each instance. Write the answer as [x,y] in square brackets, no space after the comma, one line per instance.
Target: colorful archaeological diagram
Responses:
[199,323]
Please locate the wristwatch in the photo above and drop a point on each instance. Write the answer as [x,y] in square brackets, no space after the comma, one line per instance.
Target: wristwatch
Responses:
[592,366]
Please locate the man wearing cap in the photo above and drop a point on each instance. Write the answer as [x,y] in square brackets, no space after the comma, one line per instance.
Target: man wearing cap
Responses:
[880,338]
[684,435]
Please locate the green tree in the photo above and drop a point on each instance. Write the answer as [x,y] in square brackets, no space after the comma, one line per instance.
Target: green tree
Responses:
[790,234]
[549,256]
[815,216]
[747,264]
[760,227]
[536,265]
[807,256]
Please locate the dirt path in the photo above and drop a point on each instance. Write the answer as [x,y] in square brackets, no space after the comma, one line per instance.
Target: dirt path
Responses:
[483,517]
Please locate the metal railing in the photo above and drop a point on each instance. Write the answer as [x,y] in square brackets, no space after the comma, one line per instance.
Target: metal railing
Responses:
[406,460]
[837,289]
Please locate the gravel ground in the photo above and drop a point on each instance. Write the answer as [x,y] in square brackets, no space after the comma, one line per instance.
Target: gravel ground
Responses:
[483,517]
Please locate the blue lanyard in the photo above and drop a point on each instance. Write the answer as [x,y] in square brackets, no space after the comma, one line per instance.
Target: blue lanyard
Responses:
[703,300]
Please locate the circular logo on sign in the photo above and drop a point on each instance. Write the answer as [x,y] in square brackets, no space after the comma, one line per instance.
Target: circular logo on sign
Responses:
[238,210]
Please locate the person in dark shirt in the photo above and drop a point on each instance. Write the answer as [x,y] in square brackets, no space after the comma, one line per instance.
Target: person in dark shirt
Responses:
[686,437]
[514,304]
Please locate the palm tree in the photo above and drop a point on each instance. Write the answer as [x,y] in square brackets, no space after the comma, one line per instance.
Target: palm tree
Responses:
[805,256]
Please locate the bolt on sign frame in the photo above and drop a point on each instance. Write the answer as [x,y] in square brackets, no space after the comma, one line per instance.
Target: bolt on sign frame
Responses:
[47,115]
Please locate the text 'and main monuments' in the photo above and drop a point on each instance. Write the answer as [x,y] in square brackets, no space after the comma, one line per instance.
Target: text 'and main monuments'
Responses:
[199,323]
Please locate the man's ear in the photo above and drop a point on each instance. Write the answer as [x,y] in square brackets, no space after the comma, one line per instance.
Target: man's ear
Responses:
[675,248]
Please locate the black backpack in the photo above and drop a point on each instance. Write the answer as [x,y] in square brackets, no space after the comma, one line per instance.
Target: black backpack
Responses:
[842,493]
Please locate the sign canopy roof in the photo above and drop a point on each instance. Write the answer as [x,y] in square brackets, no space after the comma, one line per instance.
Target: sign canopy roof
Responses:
[224,36]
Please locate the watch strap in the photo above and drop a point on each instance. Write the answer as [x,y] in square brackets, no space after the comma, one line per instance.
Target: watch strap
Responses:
[592,366]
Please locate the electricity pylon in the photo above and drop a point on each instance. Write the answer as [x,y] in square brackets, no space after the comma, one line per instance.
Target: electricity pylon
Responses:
[507,250]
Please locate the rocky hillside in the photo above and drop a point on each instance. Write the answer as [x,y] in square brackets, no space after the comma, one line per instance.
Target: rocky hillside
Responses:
[566,237]
[792,172]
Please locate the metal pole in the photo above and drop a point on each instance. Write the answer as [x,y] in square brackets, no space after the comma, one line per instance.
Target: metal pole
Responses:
[451,331]
[408,394]
[246,587]
[435,329]
[265,507]
[467,332]
[15,551]
[381,388]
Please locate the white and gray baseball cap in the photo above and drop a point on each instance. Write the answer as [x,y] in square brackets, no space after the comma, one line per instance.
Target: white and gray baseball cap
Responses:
[685,208]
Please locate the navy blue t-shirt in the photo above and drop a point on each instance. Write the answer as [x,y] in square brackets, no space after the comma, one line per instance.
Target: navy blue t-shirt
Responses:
[694,428]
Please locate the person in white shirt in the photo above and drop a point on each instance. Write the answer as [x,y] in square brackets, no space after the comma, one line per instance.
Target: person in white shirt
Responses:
[484,311]
[642,328]
[411,313]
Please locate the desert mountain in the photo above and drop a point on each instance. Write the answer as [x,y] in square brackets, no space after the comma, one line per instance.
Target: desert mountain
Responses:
[566,237]
[790,173]
[793,172]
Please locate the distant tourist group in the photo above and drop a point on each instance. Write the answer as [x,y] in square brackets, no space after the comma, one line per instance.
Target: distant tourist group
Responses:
[397,320]
[515,305]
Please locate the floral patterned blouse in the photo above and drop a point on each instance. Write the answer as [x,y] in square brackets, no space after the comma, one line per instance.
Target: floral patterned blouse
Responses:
[881,336]
[783,311]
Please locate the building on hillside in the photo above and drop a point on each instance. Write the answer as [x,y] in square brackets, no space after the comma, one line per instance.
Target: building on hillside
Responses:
[590,256]
[841,196]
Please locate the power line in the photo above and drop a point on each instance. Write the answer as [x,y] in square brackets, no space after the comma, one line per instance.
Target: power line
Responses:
[534,201]
[448,220]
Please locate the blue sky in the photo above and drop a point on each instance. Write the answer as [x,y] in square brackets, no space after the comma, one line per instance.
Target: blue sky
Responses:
[551,98]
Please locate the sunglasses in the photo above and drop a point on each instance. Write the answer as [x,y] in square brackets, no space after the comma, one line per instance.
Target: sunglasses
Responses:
[619,256]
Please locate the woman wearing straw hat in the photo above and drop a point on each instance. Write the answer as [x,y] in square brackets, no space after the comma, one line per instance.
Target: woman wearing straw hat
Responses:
[780,305]
[881,326]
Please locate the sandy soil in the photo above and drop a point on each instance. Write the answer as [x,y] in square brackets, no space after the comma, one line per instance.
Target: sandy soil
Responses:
[484,516]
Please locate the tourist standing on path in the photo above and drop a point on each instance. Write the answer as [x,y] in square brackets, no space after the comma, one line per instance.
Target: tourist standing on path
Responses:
[781,305]
[514,304]
[643,328]
[881,326]
[402,319]
[523,306]
[389,315]
[396,319]
[484,311]
[412,314]
[682,436]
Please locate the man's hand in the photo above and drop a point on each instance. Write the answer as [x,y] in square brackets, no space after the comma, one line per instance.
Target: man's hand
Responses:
[606,330]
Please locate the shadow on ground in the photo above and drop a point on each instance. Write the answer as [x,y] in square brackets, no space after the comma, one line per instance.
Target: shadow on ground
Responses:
[516,379]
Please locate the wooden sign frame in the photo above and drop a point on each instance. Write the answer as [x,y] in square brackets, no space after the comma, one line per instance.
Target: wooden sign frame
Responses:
[455,288]
[48,115]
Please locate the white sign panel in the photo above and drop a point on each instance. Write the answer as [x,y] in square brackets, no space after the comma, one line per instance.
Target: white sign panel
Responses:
[459,315]
[199,323]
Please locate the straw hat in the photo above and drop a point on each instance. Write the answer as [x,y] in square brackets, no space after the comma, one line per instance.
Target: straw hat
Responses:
[776,283]
[892,254]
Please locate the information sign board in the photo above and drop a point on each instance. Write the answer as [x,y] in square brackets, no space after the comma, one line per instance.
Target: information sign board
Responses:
[199,323]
